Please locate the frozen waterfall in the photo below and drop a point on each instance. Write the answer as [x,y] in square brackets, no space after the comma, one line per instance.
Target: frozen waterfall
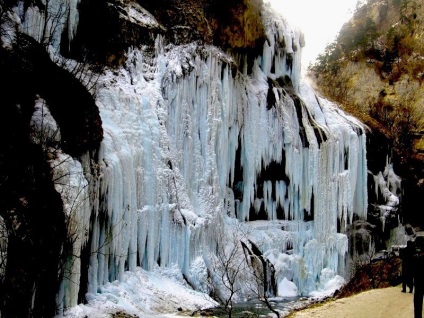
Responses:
[196,142]
[189,143]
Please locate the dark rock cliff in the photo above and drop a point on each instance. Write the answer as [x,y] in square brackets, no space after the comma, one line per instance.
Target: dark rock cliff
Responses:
[107,29]
[30,206]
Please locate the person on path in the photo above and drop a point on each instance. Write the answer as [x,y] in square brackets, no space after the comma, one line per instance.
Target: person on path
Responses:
[407,256]
[418,276]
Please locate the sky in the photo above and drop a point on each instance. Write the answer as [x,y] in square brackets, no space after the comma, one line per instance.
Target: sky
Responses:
[320,21]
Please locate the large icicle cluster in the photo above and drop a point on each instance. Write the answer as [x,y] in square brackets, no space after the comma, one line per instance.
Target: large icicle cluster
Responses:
[47,22]
[189,143]
[387,186]
[170,154]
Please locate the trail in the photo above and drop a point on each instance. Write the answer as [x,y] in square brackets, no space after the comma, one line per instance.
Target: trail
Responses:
[376,303]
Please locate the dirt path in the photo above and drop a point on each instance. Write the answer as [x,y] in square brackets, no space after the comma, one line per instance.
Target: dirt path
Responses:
[378,303]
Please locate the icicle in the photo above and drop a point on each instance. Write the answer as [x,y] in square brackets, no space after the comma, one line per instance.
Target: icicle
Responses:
[168,163]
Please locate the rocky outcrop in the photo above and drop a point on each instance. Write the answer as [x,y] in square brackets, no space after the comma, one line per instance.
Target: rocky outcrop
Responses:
[31,207]
[30,72]
[108,28]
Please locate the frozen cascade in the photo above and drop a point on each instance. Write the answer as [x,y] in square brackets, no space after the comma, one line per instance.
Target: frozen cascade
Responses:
[47,24]
[187,147]
[70,182]
[168,161]
[388,190]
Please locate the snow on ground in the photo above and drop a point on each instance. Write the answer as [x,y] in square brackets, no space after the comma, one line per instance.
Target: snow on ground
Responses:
[286,288]
[160,293]
[163,293]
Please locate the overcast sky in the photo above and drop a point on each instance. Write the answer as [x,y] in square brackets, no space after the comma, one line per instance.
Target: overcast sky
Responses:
[320,21]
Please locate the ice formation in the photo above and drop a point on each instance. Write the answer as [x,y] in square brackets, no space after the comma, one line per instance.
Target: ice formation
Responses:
[387,190]
[46,23]
[71,184]
[189,144]
[175,136]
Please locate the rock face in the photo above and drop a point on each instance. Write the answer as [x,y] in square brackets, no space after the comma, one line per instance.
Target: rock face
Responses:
[374,68]
[108,28]
[29,68]
[31,208]
[239,25]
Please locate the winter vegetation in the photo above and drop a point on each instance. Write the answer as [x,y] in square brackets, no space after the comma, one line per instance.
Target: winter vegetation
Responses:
[374,69]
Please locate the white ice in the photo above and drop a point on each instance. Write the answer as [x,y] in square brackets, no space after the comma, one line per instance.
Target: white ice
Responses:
[173,121]
[168,158]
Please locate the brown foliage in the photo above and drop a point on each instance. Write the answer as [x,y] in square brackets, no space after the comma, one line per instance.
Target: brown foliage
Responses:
[376,274]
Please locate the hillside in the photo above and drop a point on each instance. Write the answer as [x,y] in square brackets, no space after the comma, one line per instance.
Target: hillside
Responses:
[375,69]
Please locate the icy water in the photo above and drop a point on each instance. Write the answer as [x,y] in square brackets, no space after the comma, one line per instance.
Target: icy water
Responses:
[259,309]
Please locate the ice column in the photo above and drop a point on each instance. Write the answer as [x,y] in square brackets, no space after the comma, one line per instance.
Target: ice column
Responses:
[47,24]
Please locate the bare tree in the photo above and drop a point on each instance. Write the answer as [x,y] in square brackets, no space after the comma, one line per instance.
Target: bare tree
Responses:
[3,248]
[8,26]
[88,74]
[228,267]
[262,273]
[2,15]
[56,30]
[54,14]
[371,270]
